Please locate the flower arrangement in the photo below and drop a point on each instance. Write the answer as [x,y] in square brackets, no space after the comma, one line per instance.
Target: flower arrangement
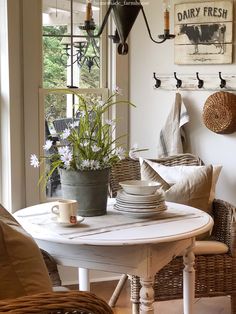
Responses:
[89,144]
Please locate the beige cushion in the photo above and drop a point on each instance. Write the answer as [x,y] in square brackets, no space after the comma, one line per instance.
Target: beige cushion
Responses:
[22,268]
[210,247]
[192,189]
[176,173]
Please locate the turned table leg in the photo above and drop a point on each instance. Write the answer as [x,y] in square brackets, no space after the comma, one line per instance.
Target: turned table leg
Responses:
[84,284]
[146,296]
[189,280]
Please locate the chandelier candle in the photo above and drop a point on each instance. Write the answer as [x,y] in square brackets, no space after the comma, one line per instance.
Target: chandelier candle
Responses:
[166,8]
[89,12]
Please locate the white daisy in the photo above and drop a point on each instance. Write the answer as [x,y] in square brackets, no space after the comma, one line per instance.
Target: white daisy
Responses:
[120,152]
[47,145]
[85,143]
[74,124]
[65,134]
[66,158]
[85,163]
[106,160]
[94,164]
[110,122]
[118,90]
[34,161]
[63,150]
[95,148]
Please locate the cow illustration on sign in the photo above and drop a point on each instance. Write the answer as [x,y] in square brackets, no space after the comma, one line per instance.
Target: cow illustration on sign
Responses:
[205,34]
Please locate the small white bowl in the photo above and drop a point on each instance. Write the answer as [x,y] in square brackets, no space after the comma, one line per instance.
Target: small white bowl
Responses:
[140,187]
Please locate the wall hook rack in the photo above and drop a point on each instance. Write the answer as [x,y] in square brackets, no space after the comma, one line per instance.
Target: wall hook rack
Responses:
[158,82]
[222,81]
[179,82]
[200,82]
[206,82]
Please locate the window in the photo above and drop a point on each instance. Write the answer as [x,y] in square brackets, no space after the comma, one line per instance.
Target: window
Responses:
[68,60]
[22,114]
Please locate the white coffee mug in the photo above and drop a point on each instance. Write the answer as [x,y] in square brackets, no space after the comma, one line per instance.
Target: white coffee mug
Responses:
[66,210]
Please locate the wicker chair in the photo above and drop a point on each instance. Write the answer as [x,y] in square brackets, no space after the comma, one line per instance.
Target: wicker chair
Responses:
[52,268]
[74,302]
[215,274]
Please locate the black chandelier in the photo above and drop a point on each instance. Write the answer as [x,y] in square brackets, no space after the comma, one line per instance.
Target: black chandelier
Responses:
[125,13]
[85,51]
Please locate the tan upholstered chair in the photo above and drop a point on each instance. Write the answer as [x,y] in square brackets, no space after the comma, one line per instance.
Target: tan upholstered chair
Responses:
[215,273]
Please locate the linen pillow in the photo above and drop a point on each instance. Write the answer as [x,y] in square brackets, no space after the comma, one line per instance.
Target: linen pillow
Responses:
[192,189]
[174,174]
[22,268]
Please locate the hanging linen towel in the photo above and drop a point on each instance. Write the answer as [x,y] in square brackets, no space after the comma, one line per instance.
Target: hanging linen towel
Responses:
[172,136]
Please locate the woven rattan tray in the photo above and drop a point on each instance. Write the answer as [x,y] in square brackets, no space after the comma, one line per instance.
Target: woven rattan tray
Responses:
[219,112]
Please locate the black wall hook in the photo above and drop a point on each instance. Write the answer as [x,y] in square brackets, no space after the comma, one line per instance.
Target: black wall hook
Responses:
[158,82]
[222,81]
[200,82]
[179,82]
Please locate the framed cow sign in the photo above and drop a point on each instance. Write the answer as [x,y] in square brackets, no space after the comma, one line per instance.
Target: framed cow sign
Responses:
[203,32]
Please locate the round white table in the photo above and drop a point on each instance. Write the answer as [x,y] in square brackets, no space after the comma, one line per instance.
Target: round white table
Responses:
[122,244]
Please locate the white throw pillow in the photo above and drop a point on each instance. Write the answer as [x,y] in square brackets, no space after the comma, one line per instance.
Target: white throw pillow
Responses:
[173,174]
[192,190]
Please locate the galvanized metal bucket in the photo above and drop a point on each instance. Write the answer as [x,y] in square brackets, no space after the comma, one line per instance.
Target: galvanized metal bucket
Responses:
[89,188]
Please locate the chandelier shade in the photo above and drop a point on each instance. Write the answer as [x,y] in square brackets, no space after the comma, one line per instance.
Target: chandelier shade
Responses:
[124,18]
[124,14]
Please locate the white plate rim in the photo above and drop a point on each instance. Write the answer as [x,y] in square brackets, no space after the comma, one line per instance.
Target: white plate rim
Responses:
[130,210]
[121,194]
[144,206]
[140,215]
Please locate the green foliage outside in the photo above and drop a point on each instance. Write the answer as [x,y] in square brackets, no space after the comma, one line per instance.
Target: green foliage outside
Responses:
[55,72]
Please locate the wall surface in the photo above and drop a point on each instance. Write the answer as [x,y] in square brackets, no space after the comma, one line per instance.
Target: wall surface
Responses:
[153,105]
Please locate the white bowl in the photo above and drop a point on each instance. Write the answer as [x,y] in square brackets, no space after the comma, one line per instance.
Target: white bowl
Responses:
[140,187]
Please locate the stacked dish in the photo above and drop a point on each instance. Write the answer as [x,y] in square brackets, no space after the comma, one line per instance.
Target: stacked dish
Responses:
[140,187]
[138,205]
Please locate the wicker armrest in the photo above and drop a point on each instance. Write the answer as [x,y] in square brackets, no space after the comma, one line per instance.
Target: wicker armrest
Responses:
[76,302]
[224,229]
[52,268]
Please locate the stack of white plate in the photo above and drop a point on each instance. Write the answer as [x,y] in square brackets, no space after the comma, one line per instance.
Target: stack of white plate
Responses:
[140,206]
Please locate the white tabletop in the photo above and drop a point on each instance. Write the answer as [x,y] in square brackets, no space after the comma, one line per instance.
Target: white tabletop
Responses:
[176,223]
